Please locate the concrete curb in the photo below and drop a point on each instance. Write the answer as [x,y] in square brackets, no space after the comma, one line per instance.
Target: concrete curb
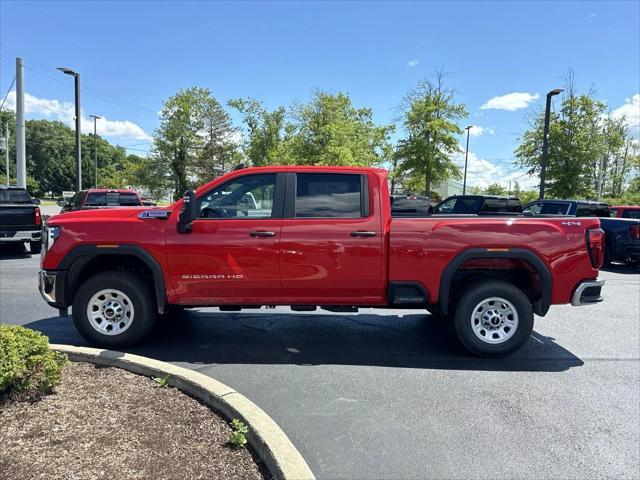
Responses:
[265,436]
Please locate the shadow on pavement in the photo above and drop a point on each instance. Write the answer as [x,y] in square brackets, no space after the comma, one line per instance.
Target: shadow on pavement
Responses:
[408,341]
[13,251]
[622,268]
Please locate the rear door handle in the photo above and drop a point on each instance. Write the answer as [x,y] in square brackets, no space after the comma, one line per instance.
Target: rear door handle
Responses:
[262,234]
[363,234]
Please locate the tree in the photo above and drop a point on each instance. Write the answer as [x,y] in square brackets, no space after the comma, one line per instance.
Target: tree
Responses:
[220,148]
[495,189]
[329,130]
[430,117]
[265,131]
[576,145]
[179,140]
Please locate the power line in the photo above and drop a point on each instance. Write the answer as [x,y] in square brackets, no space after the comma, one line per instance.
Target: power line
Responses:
[7,94]
[47,70]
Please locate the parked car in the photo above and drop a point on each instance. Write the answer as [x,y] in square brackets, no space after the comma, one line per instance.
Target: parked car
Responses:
[316,236]
[478,205]
[20,218]
[102,198]
[622,235]
[410,206]
[625,211]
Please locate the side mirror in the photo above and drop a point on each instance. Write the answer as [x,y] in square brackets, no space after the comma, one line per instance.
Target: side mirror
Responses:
[188,213]
[35,201]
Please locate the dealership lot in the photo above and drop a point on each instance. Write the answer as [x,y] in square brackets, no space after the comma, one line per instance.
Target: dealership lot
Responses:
[387,394]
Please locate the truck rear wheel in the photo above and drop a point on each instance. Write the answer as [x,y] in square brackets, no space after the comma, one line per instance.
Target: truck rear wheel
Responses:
[114,309]
[493,319]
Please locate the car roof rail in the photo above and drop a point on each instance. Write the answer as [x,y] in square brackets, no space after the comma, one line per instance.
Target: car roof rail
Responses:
[240,166]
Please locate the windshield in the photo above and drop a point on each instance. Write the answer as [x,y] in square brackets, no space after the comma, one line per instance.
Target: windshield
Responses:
[547,208]
[14,196]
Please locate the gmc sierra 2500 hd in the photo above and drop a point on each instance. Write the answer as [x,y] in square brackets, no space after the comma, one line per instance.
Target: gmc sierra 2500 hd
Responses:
[309,237]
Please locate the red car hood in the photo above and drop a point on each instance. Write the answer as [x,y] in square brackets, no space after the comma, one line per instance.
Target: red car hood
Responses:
[103,213]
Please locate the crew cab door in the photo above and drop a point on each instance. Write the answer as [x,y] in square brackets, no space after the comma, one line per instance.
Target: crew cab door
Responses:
[332,240]
[231,255]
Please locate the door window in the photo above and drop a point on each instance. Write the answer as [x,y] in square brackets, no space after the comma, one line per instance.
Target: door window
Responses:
[246,197]
[628,213]
[328,195]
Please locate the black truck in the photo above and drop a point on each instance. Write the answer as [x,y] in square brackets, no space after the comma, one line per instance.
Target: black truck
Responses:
[622,235]
[478,205]
[20,219]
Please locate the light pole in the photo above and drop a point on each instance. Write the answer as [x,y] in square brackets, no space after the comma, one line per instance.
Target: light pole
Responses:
[545,140]
[95,144]
[76,76]
[466,158]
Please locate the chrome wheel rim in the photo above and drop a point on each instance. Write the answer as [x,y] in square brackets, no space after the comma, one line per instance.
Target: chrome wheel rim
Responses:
[110,312]
[494,320]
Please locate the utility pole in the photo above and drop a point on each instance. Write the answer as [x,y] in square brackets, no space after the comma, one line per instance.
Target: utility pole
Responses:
[76,76]
[21,148]
[545,140]
[95,144]
[466,158]
[6,147]
[600,179]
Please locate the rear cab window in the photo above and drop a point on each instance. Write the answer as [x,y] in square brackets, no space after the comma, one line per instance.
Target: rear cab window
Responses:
[112,199]
[330,195]
[14,196]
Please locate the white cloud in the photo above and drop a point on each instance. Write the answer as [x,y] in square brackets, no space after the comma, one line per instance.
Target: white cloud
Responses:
[511,101]
[478,131]
[631,111]
[482,173]
[65,112]
[591,15]
[413,63]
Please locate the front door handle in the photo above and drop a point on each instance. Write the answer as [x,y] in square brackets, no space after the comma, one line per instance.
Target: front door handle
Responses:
[261,233]
[363,234]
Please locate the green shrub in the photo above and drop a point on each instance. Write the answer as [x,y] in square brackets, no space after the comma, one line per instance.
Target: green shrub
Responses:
[28,368]
[237,437]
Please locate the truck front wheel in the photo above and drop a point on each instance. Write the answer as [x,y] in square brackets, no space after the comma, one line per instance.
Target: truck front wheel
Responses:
[114,309]
[493,319]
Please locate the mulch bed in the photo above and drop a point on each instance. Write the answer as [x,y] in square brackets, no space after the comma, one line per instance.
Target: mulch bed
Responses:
[109,423]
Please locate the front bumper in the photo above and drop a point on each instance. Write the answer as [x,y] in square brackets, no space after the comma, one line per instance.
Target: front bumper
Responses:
[587,293]
[52,284]
[20,236]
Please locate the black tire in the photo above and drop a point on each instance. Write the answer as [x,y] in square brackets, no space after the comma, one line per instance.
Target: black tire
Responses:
[35,247]
[606,263]
[141,296]
[465,310]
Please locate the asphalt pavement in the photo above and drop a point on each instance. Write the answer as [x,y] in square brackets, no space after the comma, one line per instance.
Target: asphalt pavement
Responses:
[389,394]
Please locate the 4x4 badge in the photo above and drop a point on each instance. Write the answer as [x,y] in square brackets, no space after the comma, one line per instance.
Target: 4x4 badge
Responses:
[572,224]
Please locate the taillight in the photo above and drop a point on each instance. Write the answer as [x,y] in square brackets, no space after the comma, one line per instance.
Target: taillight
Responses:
[596,245]
[38,217]
[634,231]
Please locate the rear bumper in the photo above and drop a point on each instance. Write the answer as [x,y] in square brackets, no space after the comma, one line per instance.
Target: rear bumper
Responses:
[587,293]
[20,236]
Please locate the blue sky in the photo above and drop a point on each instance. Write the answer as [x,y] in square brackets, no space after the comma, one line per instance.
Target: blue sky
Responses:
[133,55]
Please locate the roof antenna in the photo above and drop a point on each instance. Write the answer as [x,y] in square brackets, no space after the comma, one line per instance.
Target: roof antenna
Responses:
[240,166]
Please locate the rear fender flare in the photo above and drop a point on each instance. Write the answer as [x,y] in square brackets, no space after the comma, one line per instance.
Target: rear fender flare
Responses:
[540,307]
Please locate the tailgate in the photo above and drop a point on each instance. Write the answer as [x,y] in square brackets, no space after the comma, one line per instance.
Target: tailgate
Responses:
[17,215]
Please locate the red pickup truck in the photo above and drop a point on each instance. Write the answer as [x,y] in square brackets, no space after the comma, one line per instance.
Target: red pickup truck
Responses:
[313,237]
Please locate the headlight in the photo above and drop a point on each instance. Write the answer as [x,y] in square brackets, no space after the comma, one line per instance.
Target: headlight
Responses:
[51,234]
